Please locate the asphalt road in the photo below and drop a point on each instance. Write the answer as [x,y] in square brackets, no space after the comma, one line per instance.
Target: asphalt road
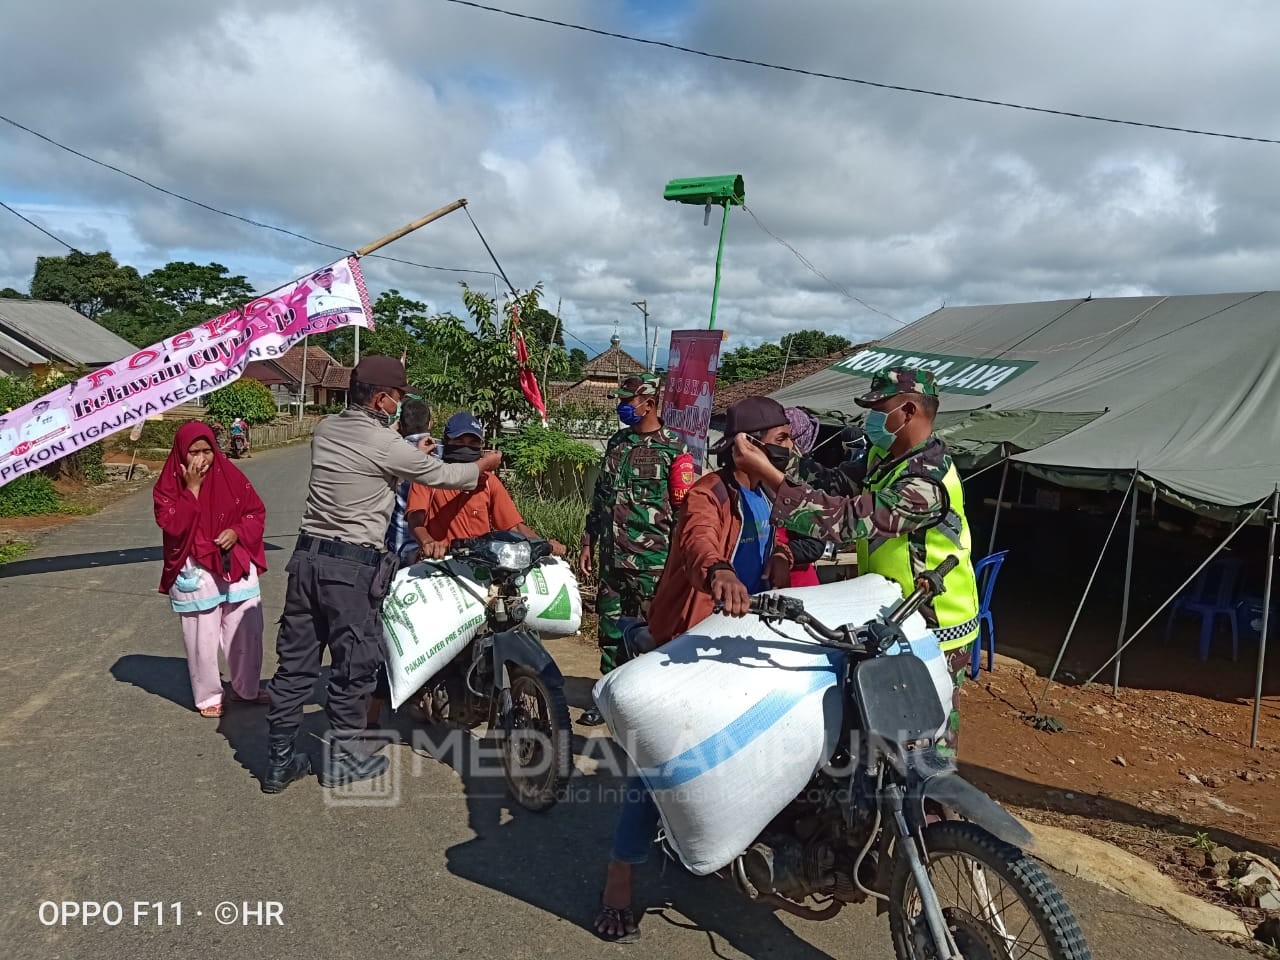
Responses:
[113,789]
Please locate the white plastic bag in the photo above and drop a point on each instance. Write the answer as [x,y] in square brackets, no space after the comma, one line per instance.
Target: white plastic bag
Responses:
[555,603]
[728,722]
[427,617]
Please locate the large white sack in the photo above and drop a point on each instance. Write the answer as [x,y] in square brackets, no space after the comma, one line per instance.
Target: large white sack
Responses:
[554,601]
[427,617]
[728,722]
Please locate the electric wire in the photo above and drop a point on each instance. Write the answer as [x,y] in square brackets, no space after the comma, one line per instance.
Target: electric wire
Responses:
[900,88]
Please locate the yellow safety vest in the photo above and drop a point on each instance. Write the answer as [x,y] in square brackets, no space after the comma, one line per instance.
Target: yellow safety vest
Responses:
[892,557]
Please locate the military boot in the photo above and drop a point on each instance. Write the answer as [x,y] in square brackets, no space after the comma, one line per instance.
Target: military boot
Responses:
[285,764]
[343,766]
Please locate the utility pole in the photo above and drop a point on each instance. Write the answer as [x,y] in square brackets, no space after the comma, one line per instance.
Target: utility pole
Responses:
[643,307]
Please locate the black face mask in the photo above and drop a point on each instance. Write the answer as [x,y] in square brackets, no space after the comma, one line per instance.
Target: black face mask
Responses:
[461,453]
[779,455]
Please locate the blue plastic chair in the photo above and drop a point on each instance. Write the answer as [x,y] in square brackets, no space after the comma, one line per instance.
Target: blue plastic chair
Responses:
[985,572]
[1209,596]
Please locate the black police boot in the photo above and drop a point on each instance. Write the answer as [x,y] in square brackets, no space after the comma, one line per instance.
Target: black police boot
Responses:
[342,766]
[284,763]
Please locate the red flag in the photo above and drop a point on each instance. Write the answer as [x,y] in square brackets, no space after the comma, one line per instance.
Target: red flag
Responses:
[528,379]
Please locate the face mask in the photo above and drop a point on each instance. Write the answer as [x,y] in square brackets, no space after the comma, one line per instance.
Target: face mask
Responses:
[878,432]
[389,419]
[627,414]
[461,453]
[778,455]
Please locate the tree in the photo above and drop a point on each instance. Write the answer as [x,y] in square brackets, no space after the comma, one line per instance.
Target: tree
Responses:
[749,363]
[400,325]
[577,360]
[91,283]
[244,398]
[8,293]
[197,292]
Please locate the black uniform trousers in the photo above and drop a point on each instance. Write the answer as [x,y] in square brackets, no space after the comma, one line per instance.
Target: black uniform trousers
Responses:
[327,604]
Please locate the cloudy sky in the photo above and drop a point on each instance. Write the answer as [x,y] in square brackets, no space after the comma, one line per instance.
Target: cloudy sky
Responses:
[344,121]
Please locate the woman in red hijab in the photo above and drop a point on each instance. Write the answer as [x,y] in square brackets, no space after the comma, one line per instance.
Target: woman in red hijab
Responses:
[213,520]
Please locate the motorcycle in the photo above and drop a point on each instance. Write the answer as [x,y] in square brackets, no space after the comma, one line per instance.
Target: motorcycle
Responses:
[889,819]
[239,446]
[504,677]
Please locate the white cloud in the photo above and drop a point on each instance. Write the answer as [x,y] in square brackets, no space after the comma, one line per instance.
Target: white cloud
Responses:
[343,127]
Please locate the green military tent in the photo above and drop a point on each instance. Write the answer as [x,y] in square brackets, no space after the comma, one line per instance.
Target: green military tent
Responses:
[1179,394]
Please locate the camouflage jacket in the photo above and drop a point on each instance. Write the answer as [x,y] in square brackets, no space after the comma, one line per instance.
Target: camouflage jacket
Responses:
[643,481]
[837,505]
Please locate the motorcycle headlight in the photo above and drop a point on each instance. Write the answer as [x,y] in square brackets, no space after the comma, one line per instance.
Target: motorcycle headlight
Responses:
[512,556]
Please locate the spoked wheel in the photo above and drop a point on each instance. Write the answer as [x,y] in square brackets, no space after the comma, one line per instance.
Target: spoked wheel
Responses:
[536,755]
[997,902]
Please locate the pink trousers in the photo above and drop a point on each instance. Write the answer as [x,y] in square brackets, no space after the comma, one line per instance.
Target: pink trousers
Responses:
[231,623]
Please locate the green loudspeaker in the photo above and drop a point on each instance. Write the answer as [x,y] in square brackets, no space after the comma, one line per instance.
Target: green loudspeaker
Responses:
[728,190]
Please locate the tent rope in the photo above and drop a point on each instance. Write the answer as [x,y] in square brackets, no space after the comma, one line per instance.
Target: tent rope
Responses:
[1173,596]
[1089,586]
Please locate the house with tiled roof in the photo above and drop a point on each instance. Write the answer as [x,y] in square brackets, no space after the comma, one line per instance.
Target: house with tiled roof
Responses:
[601,374]
[727,393]
[326,380]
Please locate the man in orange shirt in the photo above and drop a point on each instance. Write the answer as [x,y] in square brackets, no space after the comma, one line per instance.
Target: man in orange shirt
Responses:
[437,516]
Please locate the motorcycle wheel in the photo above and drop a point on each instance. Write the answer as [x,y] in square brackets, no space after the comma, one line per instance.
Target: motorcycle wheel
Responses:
[998,903]
[537,754]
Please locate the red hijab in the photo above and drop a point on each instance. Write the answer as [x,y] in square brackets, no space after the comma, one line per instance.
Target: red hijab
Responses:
[227,501]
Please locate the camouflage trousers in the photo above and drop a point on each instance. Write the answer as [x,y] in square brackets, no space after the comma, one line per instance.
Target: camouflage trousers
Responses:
[622,593]
[958,666]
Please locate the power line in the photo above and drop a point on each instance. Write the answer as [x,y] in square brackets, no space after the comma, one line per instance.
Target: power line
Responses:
[866,83]
[38,227]
[814,270]
[224,213]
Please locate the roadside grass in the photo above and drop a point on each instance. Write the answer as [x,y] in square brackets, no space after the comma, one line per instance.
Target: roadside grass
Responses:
[15,550]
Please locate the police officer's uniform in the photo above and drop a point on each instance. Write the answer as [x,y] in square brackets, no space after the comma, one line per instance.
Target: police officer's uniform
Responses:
[338,574]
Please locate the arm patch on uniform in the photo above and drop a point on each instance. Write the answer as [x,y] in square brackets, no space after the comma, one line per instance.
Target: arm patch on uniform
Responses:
[683,477]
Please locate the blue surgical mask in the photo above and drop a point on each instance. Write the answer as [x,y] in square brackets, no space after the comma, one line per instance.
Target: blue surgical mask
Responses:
[627,414]
[877,428]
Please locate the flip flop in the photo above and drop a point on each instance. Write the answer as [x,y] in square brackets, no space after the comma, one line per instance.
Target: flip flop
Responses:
[622,917]
[211,713]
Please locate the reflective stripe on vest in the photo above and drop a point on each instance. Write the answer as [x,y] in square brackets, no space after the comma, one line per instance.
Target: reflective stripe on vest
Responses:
[891,557]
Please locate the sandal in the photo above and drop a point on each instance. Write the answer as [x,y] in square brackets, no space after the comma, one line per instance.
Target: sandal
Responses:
[211,712]
[623,918]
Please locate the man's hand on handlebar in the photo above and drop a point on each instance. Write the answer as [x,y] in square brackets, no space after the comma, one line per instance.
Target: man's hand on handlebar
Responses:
[432,549]
[730,593]
[557,548]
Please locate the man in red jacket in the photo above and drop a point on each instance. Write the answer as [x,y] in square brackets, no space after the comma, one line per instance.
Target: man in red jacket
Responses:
[722,552]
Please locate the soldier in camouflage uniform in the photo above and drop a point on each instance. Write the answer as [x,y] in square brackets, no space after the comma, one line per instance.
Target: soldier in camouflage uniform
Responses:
[644,477]
[901,503]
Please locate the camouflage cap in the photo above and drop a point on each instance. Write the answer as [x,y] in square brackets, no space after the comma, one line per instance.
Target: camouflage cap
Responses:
[896,380]
[639,385]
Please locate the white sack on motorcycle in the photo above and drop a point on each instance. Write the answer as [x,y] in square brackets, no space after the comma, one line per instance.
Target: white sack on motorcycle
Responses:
[728,723]
[427,617]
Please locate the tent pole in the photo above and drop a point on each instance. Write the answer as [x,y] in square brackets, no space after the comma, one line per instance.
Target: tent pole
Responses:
[1053,674]
[995,521]
[1128,580]
[1177,590]
[1266,613]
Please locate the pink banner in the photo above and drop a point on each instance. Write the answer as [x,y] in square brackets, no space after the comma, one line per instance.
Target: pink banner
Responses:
[183,367]
[691,384]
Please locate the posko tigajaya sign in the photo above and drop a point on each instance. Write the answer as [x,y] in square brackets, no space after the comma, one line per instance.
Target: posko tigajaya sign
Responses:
[969,375]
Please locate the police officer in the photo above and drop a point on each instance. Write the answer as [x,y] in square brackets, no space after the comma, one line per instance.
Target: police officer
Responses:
[902,504]
[644,476]
[340,571]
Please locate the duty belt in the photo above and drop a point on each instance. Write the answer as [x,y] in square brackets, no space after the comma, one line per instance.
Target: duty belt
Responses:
[958,632]
[338,548]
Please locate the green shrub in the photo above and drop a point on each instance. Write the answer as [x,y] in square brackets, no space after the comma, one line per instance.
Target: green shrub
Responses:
[539,456]
[561,520]
[29,495]
[245,398]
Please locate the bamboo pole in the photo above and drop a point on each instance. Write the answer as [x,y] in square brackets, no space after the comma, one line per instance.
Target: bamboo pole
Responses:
[408,228]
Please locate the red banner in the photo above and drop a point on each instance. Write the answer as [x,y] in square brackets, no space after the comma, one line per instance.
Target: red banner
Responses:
[691,385]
